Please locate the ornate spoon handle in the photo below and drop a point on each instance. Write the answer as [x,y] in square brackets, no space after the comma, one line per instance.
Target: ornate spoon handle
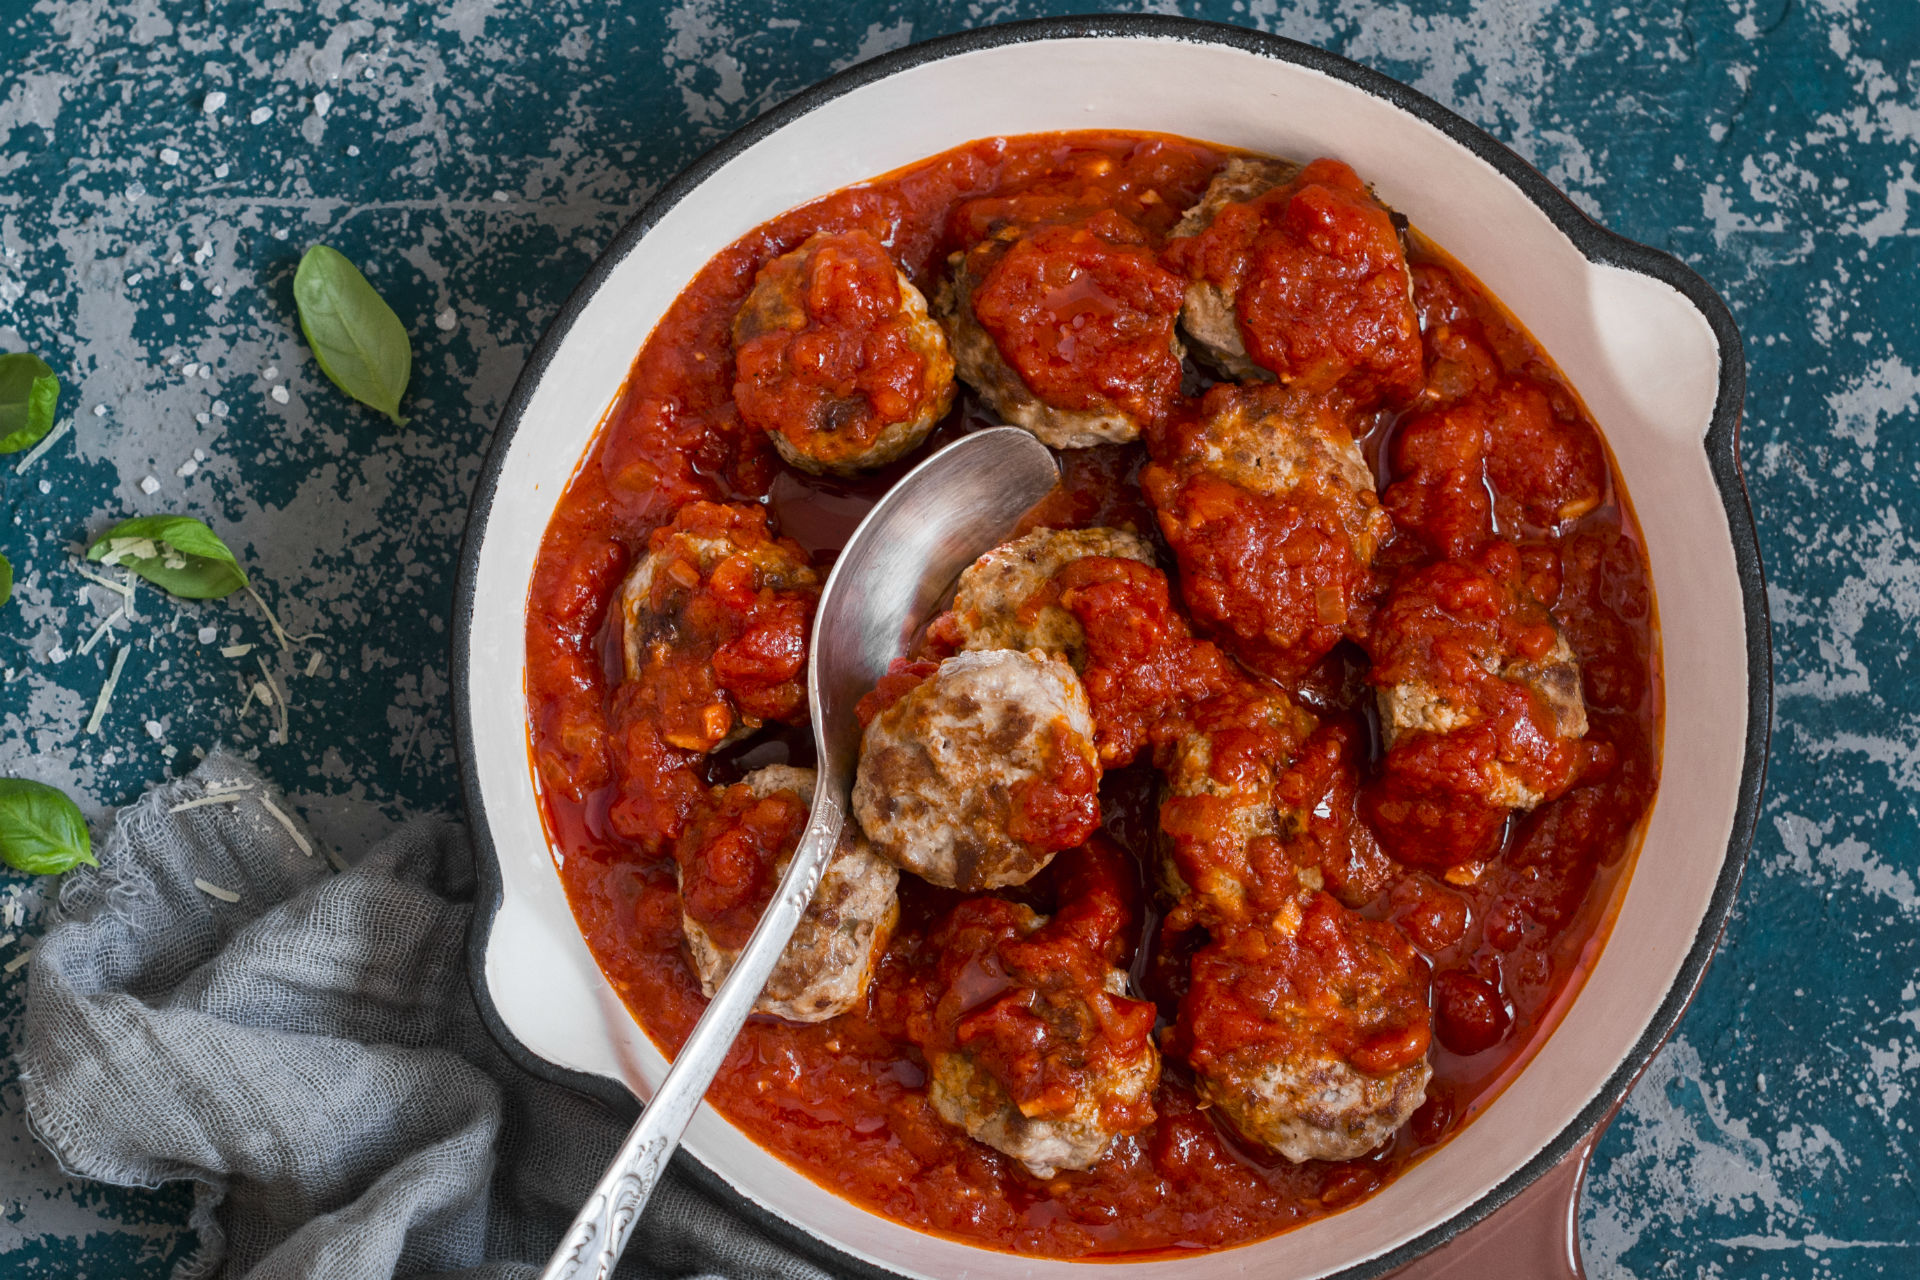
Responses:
[592,1246]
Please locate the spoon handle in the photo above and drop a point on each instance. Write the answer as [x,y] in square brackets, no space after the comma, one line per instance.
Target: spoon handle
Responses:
[593,1244]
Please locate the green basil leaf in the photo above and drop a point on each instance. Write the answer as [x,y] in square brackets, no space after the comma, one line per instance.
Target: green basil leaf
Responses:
[360,344]
[41,831]
[6,579]
[178,554]
[29,393]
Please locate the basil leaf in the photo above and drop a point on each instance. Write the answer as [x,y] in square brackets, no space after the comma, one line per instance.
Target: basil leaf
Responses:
[6,579]
[360,344]
[29,392]
[178,554]
[41,831]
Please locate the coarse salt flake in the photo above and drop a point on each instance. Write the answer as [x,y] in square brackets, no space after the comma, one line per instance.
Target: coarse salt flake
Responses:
[446,321]
[280,395]
[222,169]
[209,634]
[322,103]
[213,102]
[154,730]
[149,486]
[169,156]
[219,408]
[271,372]
[99,411]
[187,468]
[260,115]
[46,486]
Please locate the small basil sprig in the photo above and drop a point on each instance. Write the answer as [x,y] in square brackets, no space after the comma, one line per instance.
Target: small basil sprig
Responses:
[29,392]
[178,554]
[360,344]
[41,831]
[6,579]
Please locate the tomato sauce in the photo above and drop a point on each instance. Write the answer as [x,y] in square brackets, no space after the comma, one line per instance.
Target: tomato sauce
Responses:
[1491,463]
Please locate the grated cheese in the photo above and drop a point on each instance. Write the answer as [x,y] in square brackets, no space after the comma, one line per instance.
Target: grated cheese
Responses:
[287,822]
[38,451]
[279,698]
[215,891]
[6,939]
[139,548]
[204,801]
[313,663]
[18,961]
[339,863]
[86,646]
[236,651]
[122,588]
[106,691]
[279,632]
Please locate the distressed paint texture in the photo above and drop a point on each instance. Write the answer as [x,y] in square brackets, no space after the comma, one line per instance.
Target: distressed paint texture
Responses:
[162,166]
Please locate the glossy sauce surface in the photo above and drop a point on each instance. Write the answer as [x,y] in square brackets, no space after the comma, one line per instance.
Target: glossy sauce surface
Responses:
[844,1101]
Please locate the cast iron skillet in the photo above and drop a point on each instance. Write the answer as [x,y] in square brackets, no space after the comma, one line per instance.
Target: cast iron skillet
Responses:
[1567,1150]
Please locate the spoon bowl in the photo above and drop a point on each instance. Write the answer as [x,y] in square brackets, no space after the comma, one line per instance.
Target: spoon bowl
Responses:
[893,572]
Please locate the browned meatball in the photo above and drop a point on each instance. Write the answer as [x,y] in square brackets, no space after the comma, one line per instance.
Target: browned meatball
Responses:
[1480,704]
[836,358]
[1002,601]
[1054,1061]
[1299,272]
[1271,512]
[715,619]
[1308,1031]
[977,776]
[826,968]
[1067,330]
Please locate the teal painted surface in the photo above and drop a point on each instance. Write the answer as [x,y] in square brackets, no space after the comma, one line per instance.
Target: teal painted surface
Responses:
[473,157]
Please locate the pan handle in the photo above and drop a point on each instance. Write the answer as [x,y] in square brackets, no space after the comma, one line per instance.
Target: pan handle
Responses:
[1536,1234]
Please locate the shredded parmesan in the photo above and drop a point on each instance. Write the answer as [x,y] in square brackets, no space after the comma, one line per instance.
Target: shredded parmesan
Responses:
[215,891]
[105,699]
[60,428]
[236,651]
[313,662]
[6,939]
[232,797]
[287,822]
[86,646]
[122,588]
[18,961]
[279,698]
[279,632]
[119,549]
[339,863]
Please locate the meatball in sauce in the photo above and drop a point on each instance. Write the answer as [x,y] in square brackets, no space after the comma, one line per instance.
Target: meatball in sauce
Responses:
[837,359]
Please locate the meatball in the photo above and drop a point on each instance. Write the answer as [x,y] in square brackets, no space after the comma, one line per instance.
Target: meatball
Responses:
[730,861]
[716,617]
[1270,510]
[1308,1031]
[1300,273]
[1480,706]
[1219,817]
[1144,669]
[978,775]
[1067,330]
[1053,1061]
[1507,452]
[714,622]
[836,358]
[1003,598]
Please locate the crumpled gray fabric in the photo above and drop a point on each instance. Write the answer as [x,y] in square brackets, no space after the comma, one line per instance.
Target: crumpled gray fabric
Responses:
[312,1058]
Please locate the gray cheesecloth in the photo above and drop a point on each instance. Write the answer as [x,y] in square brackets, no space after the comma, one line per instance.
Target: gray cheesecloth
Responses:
[311,1058]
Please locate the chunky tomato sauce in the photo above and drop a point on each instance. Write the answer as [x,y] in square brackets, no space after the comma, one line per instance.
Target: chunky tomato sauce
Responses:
[1494,478]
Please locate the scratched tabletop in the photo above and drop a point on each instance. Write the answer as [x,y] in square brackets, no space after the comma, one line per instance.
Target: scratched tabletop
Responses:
[162,167]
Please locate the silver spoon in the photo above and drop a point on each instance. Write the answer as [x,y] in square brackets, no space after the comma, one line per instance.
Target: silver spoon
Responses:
[901,560]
